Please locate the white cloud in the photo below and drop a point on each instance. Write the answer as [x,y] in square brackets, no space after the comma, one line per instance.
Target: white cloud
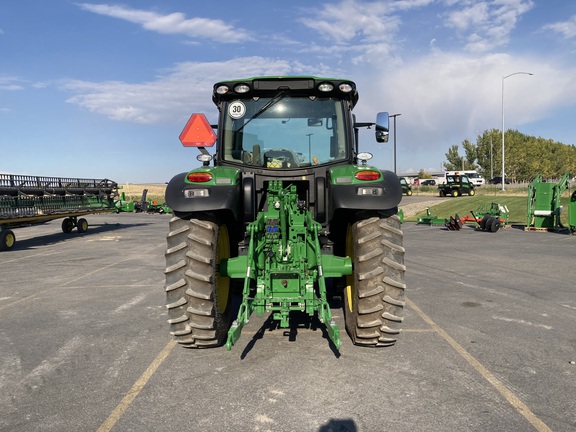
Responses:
[173,96]
[354,20]
[486,25]
[174,23]
[446,97]
[465,18]
[10,83]
[565,28]
[358,27]
[359,31]
[443,97]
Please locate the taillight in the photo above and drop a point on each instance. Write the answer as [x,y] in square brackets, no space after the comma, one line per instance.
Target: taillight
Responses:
[368,175]
[199,177]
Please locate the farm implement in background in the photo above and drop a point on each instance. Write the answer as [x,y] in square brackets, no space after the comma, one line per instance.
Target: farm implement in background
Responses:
[543,211]
[431,219]
[124,205]
[143,206]
[486,218]
[572,213]
[490,218]
[150,206]
[453,223]
[28,200]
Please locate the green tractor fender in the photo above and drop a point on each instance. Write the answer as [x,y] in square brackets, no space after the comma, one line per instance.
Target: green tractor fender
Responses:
[222,192]
[349,193]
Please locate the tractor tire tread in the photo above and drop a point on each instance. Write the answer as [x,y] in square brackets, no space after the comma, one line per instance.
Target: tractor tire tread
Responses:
[192,315]
[378,292]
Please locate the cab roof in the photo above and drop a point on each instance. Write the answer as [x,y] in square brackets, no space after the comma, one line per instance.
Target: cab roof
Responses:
[269,86]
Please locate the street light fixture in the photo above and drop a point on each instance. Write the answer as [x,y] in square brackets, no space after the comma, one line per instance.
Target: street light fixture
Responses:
[503,78]
[394,117]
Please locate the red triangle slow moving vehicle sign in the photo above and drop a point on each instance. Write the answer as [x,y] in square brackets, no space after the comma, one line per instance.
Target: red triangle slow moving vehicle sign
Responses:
[197,132]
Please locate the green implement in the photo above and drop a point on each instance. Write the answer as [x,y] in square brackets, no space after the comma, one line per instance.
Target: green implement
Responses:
[491,218]
[284,269]
[431,219]
[543,211]
[572,213]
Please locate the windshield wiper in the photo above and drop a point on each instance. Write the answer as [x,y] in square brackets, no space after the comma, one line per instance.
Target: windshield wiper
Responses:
[265,107]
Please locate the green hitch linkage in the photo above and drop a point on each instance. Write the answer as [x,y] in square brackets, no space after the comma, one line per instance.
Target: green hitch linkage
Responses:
[246,307]
[324,313]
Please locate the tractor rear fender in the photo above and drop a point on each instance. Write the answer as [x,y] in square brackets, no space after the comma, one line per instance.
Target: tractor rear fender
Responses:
[384,194]
[183,197]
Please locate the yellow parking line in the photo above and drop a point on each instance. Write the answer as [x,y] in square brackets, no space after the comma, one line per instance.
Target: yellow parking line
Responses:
[512,399]
[136,389]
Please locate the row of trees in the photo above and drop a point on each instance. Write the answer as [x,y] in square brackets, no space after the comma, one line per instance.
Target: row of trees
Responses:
[526,156]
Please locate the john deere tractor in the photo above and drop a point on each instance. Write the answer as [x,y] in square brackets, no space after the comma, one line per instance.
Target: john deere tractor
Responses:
[286,209]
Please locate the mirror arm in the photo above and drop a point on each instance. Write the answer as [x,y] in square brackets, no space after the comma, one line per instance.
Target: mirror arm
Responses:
[359,125]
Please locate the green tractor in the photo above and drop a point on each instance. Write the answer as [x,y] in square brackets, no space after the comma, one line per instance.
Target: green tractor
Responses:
[406,187]
[456,185]
[287,210]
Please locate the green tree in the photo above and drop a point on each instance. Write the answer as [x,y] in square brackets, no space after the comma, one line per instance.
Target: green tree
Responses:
[423,175]
[488,152]
[471,155]
[526,156]
[454,161]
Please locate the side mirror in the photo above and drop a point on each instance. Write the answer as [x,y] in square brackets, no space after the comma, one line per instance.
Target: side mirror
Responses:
[382,127]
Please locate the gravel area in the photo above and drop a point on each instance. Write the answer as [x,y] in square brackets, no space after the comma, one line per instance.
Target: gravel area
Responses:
[410,209]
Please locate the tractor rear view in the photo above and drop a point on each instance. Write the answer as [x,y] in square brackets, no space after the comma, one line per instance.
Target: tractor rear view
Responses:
[288,207]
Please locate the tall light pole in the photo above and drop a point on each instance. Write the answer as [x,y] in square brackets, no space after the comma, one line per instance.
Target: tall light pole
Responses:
[394,117]
[491,153]
[503,78]
[491,157]
[309,147]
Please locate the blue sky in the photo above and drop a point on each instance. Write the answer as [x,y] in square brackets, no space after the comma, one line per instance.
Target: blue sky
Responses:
[103,89]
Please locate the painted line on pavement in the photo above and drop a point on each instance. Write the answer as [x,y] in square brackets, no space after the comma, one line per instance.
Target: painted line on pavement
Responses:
[512,399]
[136,388]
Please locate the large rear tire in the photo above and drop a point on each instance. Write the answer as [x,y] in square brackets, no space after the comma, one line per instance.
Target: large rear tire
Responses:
[374,293]
[198,299]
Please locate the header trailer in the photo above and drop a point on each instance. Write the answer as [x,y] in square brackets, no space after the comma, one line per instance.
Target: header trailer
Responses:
[26,200]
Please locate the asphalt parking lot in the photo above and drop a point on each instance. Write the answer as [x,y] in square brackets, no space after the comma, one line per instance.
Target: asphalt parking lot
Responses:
[488,342]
